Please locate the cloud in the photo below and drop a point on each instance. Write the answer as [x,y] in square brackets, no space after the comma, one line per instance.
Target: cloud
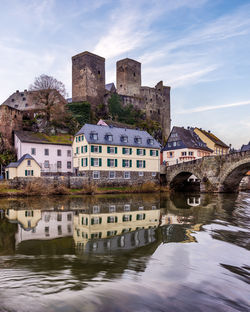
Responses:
[212,107]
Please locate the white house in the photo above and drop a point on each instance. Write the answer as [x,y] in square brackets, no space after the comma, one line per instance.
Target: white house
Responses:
[53,153]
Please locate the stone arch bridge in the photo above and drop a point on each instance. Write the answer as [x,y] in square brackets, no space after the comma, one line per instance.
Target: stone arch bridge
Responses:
[216,173]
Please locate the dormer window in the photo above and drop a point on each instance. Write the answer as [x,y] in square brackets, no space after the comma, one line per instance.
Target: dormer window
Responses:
[138,140]
[94,136]
[109,137]
[150,141]
[124,139]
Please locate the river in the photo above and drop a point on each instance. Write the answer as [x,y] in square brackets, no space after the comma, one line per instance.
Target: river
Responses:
[145,252]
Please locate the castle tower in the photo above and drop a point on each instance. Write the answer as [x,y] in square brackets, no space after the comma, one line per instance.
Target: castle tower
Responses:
[88,78]
[128,77]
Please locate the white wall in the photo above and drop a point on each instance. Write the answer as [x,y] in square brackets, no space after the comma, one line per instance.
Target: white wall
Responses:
[25,148]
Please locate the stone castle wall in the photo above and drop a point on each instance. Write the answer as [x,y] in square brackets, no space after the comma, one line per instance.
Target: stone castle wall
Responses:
[11,120]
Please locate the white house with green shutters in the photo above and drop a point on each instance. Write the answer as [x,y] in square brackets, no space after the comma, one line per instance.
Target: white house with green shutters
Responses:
[111,153]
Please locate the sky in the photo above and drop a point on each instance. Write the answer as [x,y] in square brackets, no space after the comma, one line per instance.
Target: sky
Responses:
[201,48]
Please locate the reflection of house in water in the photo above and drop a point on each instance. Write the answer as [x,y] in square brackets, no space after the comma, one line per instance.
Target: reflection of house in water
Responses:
[115,227]
[41,225]
[170,218]
[194,201]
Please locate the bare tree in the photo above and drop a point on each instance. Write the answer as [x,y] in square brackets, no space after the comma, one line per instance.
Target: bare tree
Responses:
[49,93]
[45,82]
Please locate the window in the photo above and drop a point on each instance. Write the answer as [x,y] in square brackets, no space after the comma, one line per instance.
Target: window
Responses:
[127,218]
[46,164]
[112,208]
[59,217]
[140,164]
[33,151]
[190,153]
[126,175]
[141,151]
[96,174]
[69,217]
[126,163]
[29,173]
[138,140]
[183,153]
[59,152]
[46,230]
[28,162]
[109,137]
[112,174]
[141,174]
[69,228]
[96,162]
[174,143]
[46,152]
[154,174]
[112,150]
[112,219]
[112,162]
[124,139]
[169,145]
[96,209]
[95,149]
[47,218]
[150,141]
[170,154]
[111,233]
[68,164]
[126,151]
[141,208]
[96,220]
[94,136]
[154,153]
[84,162]
[59,229]
[140,216]
[127,207]
[68,153]
[59,164]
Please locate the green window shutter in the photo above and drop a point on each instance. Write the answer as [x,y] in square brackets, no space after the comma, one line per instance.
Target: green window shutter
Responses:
[108,162]
[116,219]
[86,162]
[137,151]
[32,172]
[144,164]
[77,150]
[100,162]
[92,148]
[100,234]
[137,163]
[92,161]
[115,150]
[137,217]
[144,216]
[151,153]
[108,233]
[92,221]
[108,149]
[82,221]
[82,162]
[144,152]
[86,149]
[123,150]
[100,149]
[130,218]
[123,218]
[108,219]
[26,173]
[92,236]
[82,138]
[26,213]
[130,151]
[157,153]
[123,163]
[115,162]
[100,220]
[81,149]
[87,220]
[130,163]
[76,139]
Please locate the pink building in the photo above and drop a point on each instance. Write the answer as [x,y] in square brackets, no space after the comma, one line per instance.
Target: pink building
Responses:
[53,156]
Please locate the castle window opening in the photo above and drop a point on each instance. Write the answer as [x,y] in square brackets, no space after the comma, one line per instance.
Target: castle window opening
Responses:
[163,100]
[16,105]
[26,105]
[134,74]
[99,73]
[12,100]
[24,99]
[22,94]
[120,85]
[159,111]
[150,100]
[151,112]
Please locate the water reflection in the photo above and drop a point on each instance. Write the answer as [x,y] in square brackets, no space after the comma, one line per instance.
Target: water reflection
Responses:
[60,246]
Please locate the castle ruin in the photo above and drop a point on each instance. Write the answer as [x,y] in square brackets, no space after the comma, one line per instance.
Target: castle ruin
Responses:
[88,84]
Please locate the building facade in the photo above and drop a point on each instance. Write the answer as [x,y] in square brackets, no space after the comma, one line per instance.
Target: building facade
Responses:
[26,166]
[53,157]
[116,154]
[212,141]
[183,145]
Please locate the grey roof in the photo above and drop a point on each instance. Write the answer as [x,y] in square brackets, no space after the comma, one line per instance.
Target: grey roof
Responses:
[245,148]
[109,86]
[16,164]
[117,133]
[188,139]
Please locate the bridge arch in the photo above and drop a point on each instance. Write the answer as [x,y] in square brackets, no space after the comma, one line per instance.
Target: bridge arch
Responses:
[233,175]
[178,179]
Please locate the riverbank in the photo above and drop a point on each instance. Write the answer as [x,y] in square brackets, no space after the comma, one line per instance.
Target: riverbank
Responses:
[39,188]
